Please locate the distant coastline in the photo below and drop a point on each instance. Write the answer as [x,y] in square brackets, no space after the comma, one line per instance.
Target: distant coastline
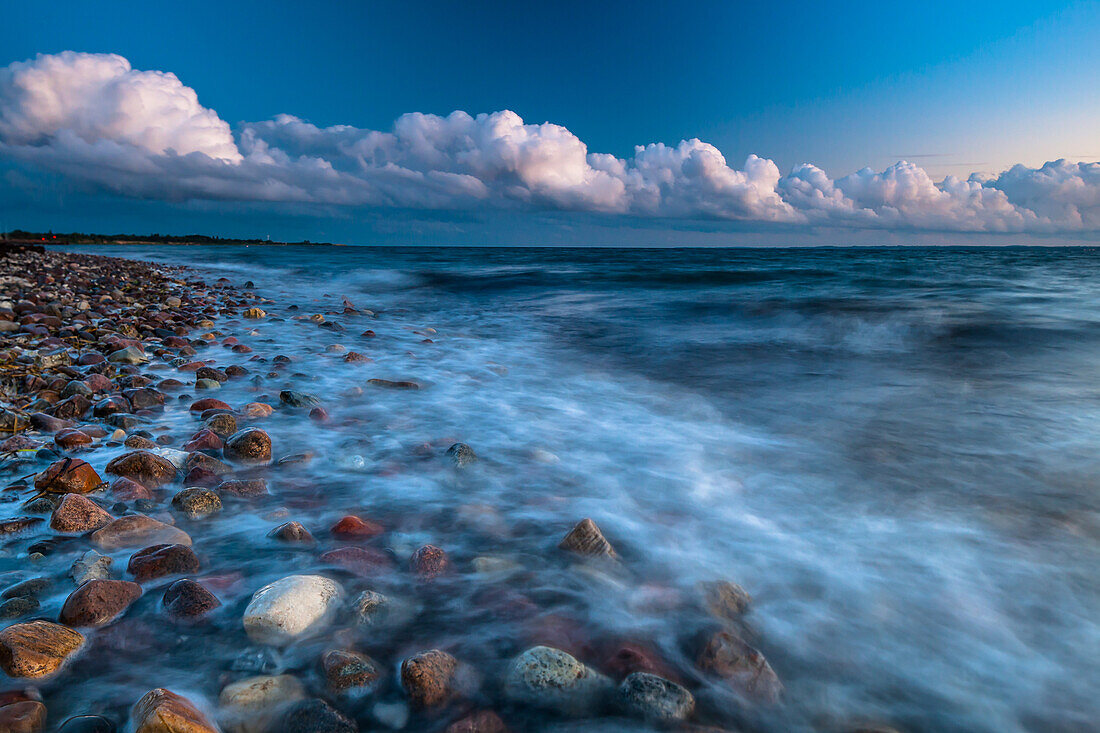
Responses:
[20,236]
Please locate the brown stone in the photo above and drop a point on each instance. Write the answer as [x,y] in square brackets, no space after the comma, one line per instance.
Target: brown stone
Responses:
[481,721]
[68,476]
[161,560]
[222,424]
[242,488]
[205,439]
[208,403]
[15,525]
[744,668]
[725,600]
[28,716]
[352,527]
[136,530]
[70,438]
[587,539]
[292,532]
[258,410]
[98,602]
[163,711]
[347,671]
[148,469]
[37,648]
[429,562]
[250,445]
[125,489]
[428,678]
[77,514]
[187,599]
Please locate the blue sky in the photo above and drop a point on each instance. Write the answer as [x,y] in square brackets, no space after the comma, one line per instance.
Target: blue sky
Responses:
[954,88]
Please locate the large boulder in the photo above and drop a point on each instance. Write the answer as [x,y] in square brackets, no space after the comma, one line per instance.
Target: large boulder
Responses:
[291,607]
[37,648]
[553,680]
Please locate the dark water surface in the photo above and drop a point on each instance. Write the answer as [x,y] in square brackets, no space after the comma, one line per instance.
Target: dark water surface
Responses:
[896,451]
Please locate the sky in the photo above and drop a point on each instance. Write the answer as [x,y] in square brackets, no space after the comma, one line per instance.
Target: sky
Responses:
[560,123]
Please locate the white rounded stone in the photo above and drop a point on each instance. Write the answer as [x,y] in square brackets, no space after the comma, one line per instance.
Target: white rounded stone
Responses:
[291,607]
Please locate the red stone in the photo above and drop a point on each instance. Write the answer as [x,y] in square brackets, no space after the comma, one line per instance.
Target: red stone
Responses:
[353,527]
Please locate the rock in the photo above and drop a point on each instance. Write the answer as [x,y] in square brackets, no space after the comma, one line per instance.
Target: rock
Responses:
[292,532]
[429,562]
[257,410]
[98,602]
[136,530]
[32,587]
[586,539]
[461,454]
[16,607]
[480,721]
[371,607]
[205,439]
[202,463]
[353,527]
[163,711]
[187,599]
[742,667]
[161,560]
[37,648]
[254,313]
[251,445]
[77,515]
[15,525]
[197,502]
[291,607]
[348,672]
[428,678]
[393,385]
[251,705]
[145,467]
[70,438]
[630,658]
[655,698]
[27,716]
[319,414]
[362,561]
[243,488]
[207,384]
[90,566]
[125,489]
[139,442]
[209,403]
[724,600]
[207,372]
[129,355]
[550,679]
[315,716]
[298,399]
[68,476]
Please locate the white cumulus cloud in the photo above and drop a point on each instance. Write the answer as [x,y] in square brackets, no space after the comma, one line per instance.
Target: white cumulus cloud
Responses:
[96,120]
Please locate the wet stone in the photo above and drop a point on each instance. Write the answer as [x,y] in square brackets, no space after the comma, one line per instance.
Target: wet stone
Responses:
[87,724]
[349,672]
[353,527]
[163,711]
[18,607]
[159,561]
[727,656]
[429,562]
[27,716]
[197,502]
[290,608]
[242,488]
[461,455]
[137,530]
[37,648]
[32,588]
[293,533]
[98,602]
[553,680]
[77,515]
[428,678]
[251,705]
[481,721]
[250,445]
[187,599]
[655,698]
[90,566]
[68,476]
[586,539]
[298,399]
[145,467]
[315,716]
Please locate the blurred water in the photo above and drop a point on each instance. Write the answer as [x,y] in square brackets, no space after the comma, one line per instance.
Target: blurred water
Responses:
[894,450]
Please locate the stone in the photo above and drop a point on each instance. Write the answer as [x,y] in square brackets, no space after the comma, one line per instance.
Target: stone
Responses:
[209,403]
[125,489]
[207,384]
[68,476]
[586,539]
[242,488]
[257,410]
[138,442]
[362,561]
[197,502]
[26,716]
[428,678]
[315,716]
[371,608]
[251,445]
[393,385]
[32,587]
[461,455]
[353,527]
[350,673]
[37,648]
[291,607]
[222,424]
[129,355]
[254,313]
[90,566]
[163,711]
[159,561]
[292,532]
[76,514]
[727,656]
[724,600]
[145,467]
[298,399]
[429,562]
[16,607]
[87,724]
[136,530]
[98,602]
[205,439]
[654,698]
[188,599]
[70,438]
[15,525]
[630,658]
[251,705]
[480,721]
[553,680]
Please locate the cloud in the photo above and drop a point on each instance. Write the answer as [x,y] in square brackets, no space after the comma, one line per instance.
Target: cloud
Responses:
[95,120]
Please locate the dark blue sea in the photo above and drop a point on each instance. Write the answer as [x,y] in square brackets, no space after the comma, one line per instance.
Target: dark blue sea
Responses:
[895,451]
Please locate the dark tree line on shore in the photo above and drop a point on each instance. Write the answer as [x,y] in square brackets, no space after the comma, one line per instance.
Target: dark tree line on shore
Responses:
[19,235]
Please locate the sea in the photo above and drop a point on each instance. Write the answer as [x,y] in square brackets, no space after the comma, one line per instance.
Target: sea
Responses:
[895,451]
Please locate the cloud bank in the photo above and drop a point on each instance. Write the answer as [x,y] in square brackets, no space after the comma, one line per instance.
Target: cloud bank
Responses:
[94,119]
